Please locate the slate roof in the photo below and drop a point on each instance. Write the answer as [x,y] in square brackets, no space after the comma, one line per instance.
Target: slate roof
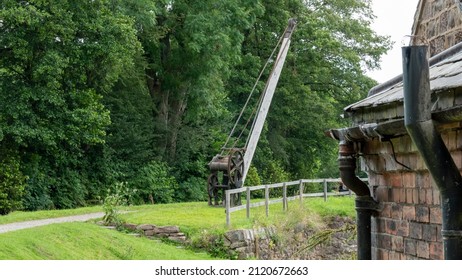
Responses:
[444,74]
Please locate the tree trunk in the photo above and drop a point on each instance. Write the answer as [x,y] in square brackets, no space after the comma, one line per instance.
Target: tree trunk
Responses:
[176,118]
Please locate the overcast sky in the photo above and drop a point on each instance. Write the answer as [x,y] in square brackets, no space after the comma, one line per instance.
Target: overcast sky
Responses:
[394,18]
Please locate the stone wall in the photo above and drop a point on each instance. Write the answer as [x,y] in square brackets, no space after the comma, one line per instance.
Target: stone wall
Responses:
[409,225]
[170,232]
[438,23]
[289,243]
[249,243]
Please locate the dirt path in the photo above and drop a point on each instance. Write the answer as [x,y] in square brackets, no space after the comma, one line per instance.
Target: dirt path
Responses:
[36,223]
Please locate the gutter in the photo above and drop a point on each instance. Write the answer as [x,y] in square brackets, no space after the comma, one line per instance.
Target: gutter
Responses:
[424,134]
[392,128]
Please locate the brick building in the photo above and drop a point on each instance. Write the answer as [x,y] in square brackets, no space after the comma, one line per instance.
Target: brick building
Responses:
[405,204]
[438,23]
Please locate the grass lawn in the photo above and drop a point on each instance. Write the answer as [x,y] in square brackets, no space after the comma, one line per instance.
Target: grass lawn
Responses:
[194,217]
[85,241]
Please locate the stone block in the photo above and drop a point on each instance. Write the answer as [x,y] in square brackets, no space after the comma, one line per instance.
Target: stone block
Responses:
[149,232]
[409,196]
[129,226]
[383,254]
[397,243]
[429,232]
[436,215]
[396,211]
[422,214]
[415,230]
[436,251]
[422,196]
[396,256]
[409,213]
[167,229]
[238,244]
[403,228]
[410,247]
[409,179]
[415,196]
[384,241]
[145,227]
[395,194]
[394,179]
[428,197]
[423,250]
[391,227]
[386,210]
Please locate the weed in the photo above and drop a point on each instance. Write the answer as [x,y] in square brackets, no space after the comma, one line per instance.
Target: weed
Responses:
[114,199]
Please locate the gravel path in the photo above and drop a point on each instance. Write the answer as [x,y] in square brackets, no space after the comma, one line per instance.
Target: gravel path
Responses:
[37,223]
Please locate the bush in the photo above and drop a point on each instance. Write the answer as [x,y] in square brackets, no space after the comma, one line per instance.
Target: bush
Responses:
[275,173]
[155,184]
[252,179]
[116,197]
[12,183]
[193,189]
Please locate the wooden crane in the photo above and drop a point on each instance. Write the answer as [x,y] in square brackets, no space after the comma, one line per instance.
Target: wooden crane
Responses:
[228,170]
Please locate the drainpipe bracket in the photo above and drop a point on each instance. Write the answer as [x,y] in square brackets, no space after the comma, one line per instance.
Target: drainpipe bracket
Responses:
[367,203]
[451,233]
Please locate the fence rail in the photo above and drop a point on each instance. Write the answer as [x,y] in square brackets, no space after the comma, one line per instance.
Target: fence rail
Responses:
[301,183]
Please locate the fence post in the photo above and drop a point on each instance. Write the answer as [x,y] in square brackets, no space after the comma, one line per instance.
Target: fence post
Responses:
[267,200]
[248,203]
[301,190]
[284,197]
[228,205]
[325,189]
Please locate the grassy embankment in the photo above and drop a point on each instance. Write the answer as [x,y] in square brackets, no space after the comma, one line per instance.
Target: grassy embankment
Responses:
[88,241]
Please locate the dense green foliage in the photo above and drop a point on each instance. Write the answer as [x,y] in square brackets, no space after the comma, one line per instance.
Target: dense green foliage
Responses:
[144,92]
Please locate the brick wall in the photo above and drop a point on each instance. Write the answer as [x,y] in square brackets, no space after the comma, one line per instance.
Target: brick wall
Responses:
[409,225]
[439,23]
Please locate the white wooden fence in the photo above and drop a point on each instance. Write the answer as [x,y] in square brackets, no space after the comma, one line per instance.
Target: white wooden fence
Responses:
[301,183]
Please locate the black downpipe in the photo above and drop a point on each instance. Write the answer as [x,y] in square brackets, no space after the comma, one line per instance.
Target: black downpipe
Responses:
[422,130]
[365,205]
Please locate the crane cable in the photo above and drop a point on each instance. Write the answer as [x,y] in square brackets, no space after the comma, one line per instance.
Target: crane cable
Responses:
[249,97]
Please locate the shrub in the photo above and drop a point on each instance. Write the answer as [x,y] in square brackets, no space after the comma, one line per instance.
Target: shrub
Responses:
[275,173]
[118,196]
[252,179]
[12,183]
[193,189]
[155,184]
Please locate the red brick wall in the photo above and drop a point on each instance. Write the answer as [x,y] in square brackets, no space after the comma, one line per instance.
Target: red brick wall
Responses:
[409,225]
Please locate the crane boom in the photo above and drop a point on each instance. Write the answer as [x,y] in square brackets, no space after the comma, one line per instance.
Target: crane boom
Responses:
[228,169]
[267,98]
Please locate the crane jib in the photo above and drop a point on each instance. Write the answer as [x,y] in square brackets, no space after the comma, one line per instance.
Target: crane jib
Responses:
[229,171]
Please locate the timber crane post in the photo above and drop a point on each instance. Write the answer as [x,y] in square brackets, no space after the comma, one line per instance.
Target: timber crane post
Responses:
[228,170]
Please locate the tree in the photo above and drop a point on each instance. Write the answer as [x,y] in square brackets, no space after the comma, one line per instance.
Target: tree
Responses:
[100,93]
[58,58]
[331,47]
